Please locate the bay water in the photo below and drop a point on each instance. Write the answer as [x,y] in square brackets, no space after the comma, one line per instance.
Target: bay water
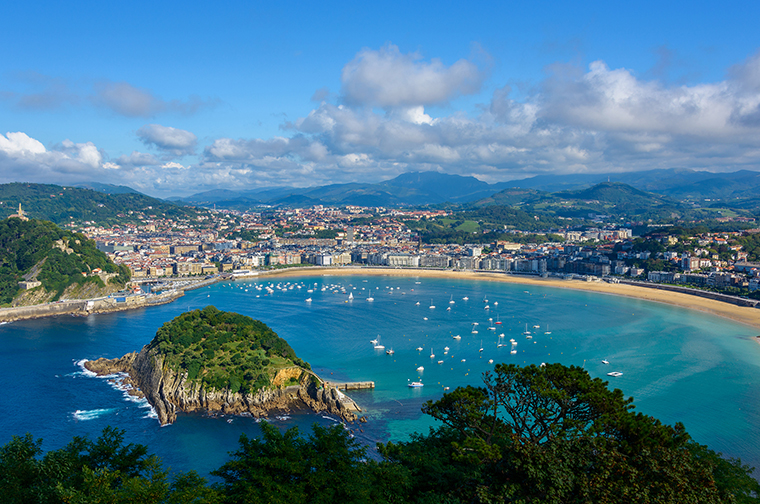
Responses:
[677,364]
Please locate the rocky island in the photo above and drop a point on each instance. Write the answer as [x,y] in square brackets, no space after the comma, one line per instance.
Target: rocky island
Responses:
[214,361]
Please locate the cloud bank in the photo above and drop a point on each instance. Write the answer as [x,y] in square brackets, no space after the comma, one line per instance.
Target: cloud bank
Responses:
[380,124]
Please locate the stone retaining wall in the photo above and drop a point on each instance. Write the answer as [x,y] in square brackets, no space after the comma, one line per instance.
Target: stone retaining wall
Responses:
[84,307]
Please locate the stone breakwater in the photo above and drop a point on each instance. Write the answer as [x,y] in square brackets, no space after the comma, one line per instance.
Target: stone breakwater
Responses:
[169,391]
[85,307]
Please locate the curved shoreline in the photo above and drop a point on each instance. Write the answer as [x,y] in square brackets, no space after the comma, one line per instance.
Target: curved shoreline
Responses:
[748,316]
[744,315]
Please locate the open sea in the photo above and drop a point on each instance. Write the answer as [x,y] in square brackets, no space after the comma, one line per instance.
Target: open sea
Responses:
[679,365]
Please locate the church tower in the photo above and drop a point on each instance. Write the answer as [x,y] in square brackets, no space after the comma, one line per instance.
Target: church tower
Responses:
[20,214]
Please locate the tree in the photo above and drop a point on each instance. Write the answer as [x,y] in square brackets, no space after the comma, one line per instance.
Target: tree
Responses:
[554,434]
[84,471]
[326,467]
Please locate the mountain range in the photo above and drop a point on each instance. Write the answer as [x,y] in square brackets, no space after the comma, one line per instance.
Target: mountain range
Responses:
[740,189]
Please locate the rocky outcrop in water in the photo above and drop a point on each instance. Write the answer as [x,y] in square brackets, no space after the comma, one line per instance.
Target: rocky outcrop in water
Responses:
[169,391]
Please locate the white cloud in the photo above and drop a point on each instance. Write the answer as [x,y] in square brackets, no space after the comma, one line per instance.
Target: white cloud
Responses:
[388,78]
[124,99]
[19,144]
[25,158]
[85,153]
[171,140]
[173,165]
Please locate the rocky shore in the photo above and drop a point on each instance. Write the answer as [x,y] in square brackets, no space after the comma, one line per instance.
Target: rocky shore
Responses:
[170,392]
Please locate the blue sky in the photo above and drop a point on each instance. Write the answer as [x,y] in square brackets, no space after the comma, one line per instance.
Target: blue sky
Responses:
[178,98]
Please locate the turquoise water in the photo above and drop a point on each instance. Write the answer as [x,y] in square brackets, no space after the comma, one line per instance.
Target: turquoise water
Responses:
[679,365]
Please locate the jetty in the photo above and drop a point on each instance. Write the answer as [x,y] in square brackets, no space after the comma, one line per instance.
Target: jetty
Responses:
[351,385]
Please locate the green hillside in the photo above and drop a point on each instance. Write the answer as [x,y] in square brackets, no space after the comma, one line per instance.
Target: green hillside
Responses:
[223,349]
[610,199]
[40,250]
[70,204]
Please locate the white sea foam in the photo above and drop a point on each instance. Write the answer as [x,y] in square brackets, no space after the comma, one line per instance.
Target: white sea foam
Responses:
[84,371]
[91,414]
[117,381]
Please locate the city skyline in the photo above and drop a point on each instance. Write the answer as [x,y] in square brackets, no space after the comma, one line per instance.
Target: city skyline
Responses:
[174,101]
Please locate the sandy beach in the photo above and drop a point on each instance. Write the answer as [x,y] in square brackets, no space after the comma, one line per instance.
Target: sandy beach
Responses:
[743,315]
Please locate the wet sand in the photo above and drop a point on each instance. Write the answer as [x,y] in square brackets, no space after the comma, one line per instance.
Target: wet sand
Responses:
[743,315]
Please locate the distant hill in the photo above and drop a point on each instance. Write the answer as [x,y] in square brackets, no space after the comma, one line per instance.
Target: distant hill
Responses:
[681,184]
[606,198]
[616,193]
[64,262]
[408,189]
[106,188]
[514,196]
[65,204]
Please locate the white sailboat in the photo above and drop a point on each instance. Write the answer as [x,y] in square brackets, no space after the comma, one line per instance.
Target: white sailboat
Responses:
[431,304]
[378,345]
[527,332]
[451,301]
[432,355]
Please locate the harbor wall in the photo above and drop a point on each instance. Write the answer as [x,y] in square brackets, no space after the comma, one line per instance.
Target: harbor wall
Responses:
[84,307]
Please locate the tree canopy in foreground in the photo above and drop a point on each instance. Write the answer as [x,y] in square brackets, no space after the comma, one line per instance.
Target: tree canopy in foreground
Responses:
[531,434]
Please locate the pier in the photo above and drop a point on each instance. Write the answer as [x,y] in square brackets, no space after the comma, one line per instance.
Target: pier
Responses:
[351,385]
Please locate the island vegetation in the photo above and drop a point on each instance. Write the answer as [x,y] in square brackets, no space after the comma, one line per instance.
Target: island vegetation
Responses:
[36,250]
[548,434]
[224,350]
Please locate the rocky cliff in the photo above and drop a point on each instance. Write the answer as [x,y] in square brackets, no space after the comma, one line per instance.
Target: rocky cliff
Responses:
[169,391]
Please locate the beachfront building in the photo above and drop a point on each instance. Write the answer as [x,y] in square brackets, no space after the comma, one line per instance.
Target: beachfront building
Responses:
[403,260]
[435,261]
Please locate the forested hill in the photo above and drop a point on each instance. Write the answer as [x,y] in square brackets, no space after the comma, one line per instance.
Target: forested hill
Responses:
[66,204]
[224,350]
[63,261]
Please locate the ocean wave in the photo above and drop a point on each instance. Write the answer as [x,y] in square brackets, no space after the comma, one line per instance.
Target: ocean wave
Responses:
[91,414]
[84,371]
[118,382]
